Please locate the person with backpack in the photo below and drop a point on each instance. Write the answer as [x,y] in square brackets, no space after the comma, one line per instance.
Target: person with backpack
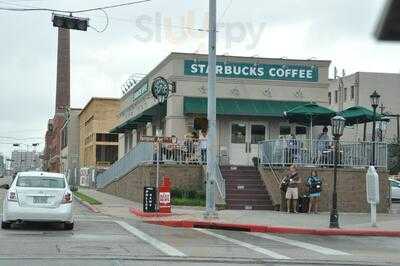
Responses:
[314,183]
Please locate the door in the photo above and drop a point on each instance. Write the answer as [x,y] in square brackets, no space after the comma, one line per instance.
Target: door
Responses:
[244,141]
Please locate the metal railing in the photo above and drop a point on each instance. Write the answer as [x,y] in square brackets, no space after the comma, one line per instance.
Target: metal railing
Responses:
[220,181]
[321,153]
[143,152]
[181,152]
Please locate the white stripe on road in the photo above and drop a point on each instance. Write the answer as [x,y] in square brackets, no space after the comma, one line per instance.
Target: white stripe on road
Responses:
[264,251]
[316,248]
[165,248]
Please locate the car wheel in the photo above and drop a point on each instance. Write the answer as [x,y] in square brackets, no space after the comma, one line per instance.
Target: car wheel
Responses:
[68,226]
[5,225]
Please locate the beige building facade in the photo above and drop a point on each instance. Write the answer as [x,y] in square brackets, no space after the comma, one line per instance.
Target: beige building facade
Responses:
[252,94]
[98,148]
[356,91]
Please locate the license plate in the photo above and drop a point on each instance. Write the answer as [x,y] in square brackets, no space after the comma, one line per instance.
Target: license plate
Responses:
[40,200]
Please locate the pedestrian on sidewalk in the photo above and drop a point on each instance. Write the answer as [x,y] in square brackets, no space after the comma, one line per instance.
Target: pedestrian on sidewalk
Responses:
[314,183]
[292,192]
[203,146]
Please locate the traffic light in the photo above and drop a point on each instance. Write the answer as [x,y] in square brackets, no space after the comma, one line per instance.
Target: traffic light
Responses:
[70,22]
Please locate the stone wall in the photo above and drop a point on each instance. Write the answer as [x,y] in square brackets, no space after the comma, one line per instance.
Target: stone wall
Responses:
[351,188]
[187,177]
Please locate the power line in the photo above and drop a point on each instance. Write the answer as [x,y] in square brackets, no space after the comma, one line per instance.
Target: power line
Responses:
[31,8]
[107,23]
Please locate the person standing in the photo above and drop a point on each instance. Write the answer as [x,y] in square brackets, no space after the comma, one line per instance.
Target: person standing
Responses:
[314,183]
[292,192]
[322,146]
[203,146]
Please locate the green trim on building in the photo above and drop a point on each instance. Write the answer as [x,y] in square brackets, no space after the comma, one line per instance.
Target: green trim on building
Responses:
[240,107]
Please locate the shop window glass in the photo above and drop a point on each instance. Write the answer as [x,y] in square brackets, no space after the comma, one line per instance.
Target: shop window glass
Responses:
[257,133]
[352,93]
[238,134]
[330,97]
[345,95]
[301,131]
[336,96]
[284,131]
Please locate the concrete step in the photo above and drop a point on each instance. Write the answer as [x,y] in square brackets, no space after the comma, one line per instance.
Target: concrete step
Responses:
[247,201]
[244,187]
[244,196]
[250,207]
[247,191]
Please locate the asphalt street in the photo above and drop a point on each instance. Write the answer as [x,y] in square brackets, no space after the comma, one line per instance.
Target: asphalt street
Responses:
[103,240]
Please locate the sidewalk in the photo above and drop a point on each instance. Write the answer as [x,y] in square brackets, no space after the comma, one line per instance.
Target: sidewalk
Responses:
[190,216]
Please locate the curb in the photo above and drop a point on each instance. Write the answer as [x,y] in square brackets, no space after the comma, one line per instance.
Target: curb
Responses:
[277,229]
[140,213]
[87,205]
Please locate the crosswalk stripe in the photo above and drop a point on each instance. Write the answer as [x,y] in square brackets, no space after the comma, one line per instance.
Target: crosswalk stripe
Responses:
[163,247]
[316,248]
[264,251]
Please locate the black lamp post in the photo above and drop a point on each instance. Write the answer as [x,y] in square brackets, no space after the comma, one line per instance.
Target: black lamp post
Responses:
[338,123]
[382,109]
[374,103]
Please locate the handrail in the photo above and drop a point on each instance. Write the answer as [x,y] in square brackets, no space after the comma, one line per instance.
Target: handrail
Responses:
[220,181]
[142,152]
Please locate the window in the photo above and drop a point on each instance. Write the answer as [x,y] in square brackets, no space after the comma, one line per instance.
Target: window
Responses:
[345,95]
[336,96]
[106,154]
[238,134]
[257,133]
[106,137]
[40,182]
[284,130]
[301,130]
[352,93]
[330,97]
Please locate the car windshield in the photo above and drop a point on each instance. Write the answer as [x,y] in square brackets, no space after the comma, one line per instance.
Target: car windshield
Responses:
[40,182]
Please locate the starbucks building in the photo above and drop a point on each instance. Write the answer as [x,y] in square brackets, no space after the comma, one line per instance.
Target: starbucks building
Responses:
[252,94]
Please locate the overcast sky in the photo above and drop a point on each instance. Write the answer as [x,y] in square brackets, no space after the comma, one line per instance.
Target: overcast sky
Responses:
[140,36]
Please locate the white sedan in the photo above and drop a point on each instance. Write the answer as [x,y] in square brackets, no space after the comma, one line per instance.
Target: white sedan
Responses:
[38,197]
[394,189]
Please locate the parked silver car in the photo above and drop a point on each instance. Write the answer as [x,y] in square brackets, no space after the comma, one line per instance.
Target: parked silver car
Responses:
[38,196]
[395,189]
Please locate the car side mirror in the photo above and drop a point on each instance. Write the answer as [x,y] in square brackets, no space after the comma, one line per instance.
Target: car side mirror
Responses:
[5,186]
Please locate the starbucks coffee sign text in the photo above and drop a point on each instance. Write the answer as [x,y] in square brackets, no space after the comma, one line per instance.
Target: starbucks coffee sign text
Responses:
[290,72]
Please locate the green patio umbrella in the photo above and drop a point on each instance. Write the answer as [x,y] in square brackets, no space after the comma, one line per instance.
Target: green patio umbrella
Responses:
[310,114]
[359,115]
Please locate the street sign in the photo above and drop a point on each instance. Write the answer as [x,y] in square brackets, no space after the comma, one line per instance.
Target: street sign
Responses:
[156,139]
[149,199]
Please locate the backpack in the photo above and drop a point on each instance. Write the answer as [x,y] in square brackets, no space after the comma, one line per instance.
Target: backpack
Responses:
[315,186]
[284,184]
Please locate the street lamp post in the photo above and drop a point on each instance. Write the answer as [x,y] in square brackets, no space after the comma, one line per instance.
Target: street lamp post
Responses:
[338,123]
[382,108]
[374,97]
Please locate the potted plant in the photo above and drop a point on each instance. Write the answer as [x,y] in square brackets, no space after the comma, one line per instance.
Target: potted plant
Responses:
[255,161]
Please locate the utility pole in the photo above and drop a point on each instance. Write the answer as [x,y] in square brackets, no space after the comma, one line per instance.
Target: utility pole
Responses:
[212,162]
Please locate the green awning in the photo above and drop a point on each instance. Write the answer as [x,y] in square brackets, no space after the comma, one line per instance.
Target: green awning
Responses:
[310,114]
[240,107]
[142,118]
[131,124]
[359,115]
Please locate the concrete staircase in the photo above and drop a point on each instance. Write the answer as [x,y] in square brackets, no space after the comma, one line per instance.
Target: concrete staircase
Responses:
[245,189]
